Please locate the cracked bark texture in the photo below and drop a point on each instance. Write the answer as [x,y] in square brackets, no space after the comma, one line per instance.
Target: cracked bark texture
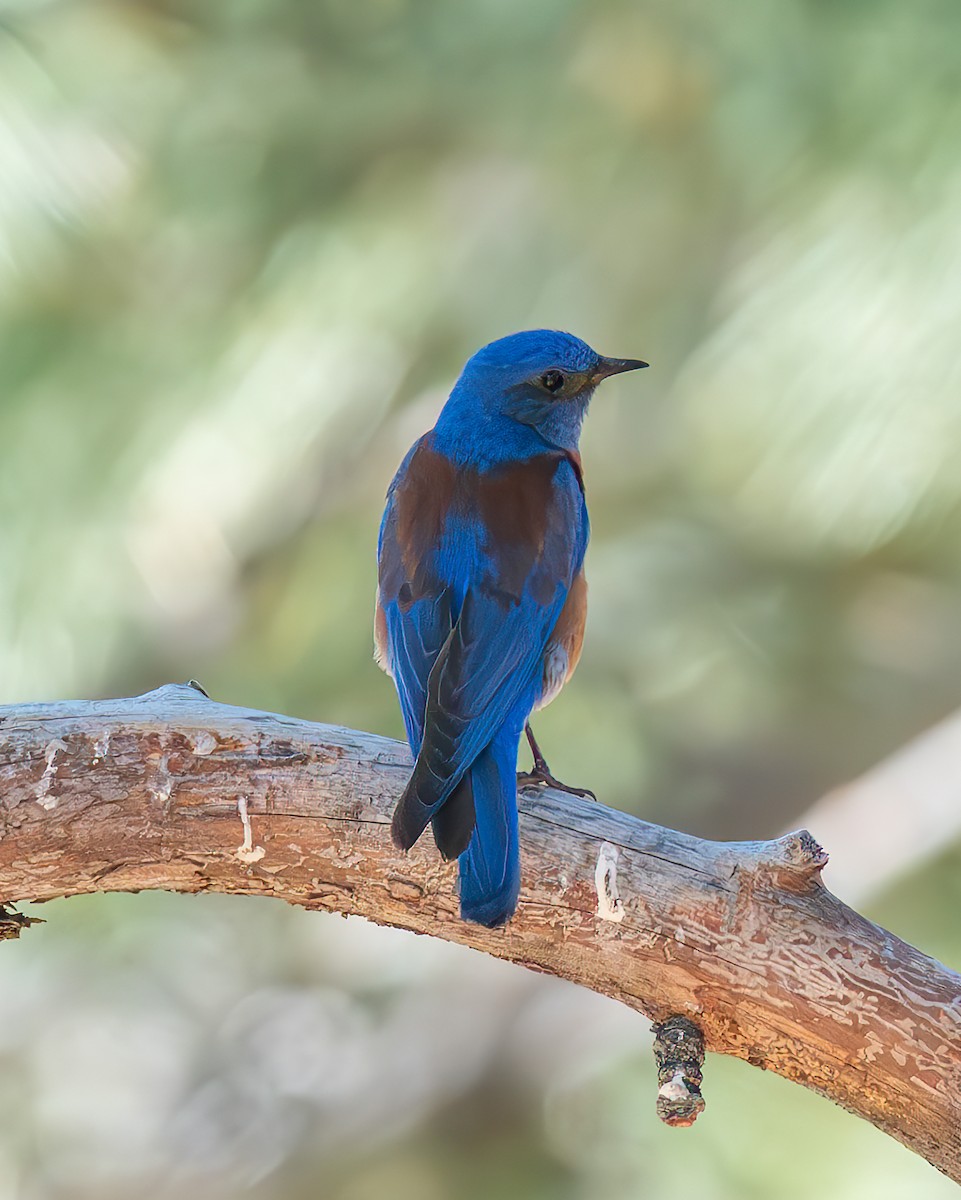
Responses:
[172,790]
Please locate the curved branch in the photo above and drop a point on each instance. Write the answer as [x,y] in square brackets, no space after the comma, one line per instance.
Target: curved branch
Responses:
[171,790]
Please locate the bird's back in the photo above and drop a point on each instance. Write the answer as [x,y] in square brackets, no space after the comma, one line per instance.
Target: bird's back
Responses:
[506,530]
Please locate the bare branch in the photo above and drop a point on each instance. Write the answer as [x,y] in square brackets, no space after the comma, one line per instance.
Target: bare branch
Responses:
[171,790]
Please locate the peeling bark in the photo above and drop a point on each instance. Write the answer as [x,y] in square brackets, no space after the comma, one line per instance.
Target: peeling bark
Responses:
[171,790]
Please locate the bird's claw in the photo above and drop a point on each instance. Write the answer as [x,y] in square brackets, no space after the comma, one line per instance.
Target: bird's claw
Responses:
[541,774]
[541,777]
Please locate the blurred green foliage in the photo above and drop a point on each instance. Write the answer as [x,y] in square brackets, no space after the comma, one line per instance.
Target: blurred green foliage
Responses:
[244,249]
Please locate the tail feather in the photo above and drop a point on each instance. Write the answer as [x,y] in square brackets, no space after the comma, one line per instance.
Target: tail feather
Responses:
[453,823]
[411,817]
[489,869]
[413,814]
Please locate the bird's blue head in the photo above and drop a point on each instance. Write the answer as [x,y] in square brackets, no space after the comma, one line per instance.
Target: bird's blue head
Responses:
[521,392]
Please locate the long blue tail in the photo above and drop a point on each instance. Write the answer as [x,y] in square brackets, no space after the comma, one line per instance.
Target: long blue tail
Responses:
[490,869]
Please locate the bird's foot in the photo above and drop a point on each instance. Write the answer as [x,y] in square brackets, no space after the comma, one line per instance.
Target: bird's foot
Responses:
[541,777]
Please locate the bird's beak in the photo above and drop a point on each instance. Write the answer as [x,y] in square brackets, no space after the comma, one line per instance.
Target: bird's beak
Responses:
[615,366]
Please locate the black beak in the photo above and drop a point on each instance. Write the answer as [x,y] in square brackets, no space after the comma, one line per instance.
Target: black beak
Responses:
[615,366]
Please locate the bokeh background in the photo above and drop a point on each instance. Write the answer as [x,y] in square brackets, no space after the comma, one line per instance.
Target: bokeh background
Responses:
[245,246]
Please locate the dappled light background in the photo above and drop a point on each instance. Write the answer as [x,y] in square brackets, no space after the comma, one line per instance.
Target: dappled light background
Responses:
[245,247]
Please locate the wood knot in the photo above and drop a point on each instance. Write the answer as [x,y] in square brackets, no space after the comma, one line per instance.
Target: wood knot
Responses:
[182,692]
[795,861]
[803,852]
[405,890]
[679,1054]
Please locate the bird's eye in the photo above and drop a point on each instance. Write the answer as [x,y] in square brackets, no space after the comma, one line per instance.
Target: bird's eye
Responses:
[553,381]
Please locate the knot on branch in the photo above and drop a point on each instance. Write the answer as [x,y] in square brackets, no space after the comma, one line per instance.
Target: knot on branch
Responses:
[795,862]
[175,691]
[679,1054]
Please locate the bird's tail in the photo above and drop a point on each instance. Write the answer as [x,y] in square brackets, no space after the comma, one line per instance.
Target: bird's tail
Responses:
[489,868]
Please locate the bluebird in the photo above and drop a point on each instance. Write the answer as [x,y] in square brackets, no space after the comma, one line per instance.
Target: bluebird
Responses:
[482,599]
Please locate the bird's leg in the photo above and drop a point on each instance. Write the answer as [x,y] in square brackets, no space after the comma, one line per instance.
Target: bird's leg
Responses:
[542,772]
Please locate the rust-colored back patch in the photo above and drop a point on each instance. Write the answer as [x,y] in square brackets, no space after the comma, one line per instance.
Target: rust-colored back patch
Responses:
[512,505]
[421,502]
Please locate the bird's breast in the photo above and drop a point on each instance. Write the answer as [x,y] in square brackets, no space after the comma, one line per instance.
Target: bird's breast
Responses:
[563,649]
[381,644]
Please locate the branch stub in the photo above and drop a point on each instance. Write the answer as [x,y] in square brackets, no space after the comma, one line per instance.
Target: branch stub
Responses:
[679,1054]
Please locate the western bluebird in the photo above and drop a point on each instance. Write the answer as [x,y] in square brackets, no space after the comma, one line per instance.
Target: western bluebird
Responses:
[482,598]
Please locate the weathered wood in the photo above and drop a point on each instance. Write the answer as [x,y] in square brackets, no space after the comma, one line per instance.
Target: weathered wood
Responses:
[171,790]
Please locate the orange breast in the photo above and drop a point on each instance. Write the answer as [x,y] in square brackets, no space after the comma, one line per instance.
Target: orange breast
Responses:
[563,649]
[569,630]
[380,637]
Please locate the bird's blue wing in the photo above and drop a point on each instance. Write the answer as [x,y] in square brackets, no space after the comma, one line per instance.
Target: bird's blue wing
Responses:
[415,637]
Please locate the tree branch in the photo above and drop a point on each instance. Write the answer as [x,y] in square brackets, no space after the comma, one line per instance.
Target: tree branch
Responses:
[171,790]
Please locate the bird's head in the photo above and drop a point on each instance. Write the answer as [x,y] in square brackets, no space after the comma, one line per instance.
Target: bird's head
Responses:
[540,378]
